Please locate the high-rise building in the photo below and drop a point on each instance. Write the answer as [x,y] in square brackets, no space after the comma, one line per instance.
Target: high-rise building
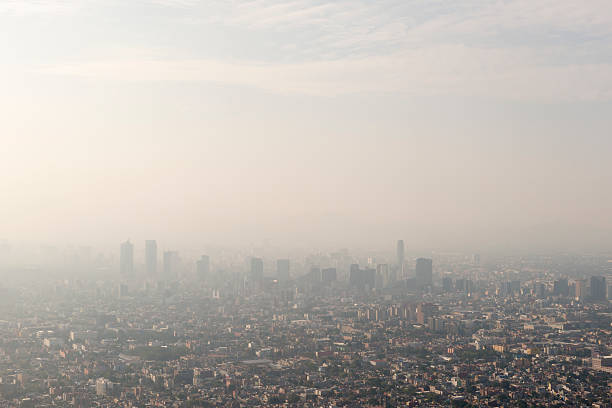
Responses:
[469,287]
[315,274]
[328,275]
[447,284]
[460,285]
[362,278]
[383,278]
[424,272]
[103,386]
[515,287]
[580,289]
[203,267]
[282,269]
[598,288]
[476,259]
[354,273]
[256,269]
[400,259]
[151,257]
[170,264]
[561,287]
[123,290]
[369,277]
[540,290]
[126,258]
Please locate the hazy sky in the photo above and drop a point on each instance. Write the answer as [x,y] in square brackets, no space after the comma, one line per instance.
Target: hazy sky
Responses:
[459,124]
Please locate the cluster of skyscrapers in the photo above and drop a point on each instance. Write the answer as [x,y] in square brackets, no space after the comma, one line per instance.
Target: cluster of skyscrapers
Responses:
[170,261]
[597,291]
[370,277]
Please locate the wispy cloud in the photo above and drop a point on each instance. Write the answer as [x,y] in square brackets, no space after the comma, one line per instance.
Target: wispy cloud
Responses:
[173,3]
[520,49]
[359,23]
[28,7]
[443,70]
[50,7]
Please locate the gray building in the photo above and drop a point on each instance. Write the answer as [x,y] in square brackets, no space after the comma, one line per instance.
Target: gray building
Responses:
[400,259]
[203,267]
[282,269]
[170,264]
[598,288]
[151,257]
[424,272]
[256,270]
[126,258]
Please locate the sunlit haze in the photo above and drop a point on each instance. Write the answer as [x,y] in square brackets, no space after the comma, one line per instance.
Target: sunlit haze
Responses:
[453,125]
[305,203]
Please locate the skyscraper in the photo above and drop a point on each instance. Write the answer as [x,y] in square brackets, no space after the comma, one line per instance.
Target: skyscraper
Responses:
[447,284]
[315,274]
[383,278]
[561,287]
[362,278]
[328,275]
[170,264]
[126,258]
[282,269]
[256,269]
[476,259]
[580,289]
[151,257]
[424,272]
[400,259]
[598,288]
[203,267]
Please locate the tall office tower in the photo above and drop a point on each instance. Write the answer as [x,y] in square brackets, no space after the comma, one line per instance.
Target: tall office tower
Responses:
[126,258]
[151,257]
[539,290]
[561,287]
[170,264]
[460,285]
[469,286]
[369,278]
[515,286]
[383,279]
[328,275]
[354,274]
[476,259]
[400,259]
[598,288]
[580,289]
[282,269]
[424,272]
[447,284]
[203,267]
[362,278]
[123,290]
[256,269]
[315,274]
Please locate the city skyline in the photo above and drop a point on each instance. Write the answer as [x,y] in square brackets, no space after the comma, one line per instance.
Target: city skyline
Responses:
[305,203]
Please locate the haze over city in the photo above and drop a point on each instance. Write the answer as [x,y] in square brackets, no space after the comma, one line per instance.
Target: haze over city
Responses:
[305,203]
[456,126]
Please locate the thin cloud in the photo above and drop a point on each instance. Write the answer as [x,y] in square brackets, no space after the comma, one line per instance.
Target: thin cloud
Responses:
[360,28]
[476,47]
[29,7]
[173,3]
[443,70]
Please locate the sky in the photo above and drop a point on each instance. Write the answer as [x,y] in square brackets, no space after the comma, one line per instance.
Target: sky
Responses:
[473,124]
